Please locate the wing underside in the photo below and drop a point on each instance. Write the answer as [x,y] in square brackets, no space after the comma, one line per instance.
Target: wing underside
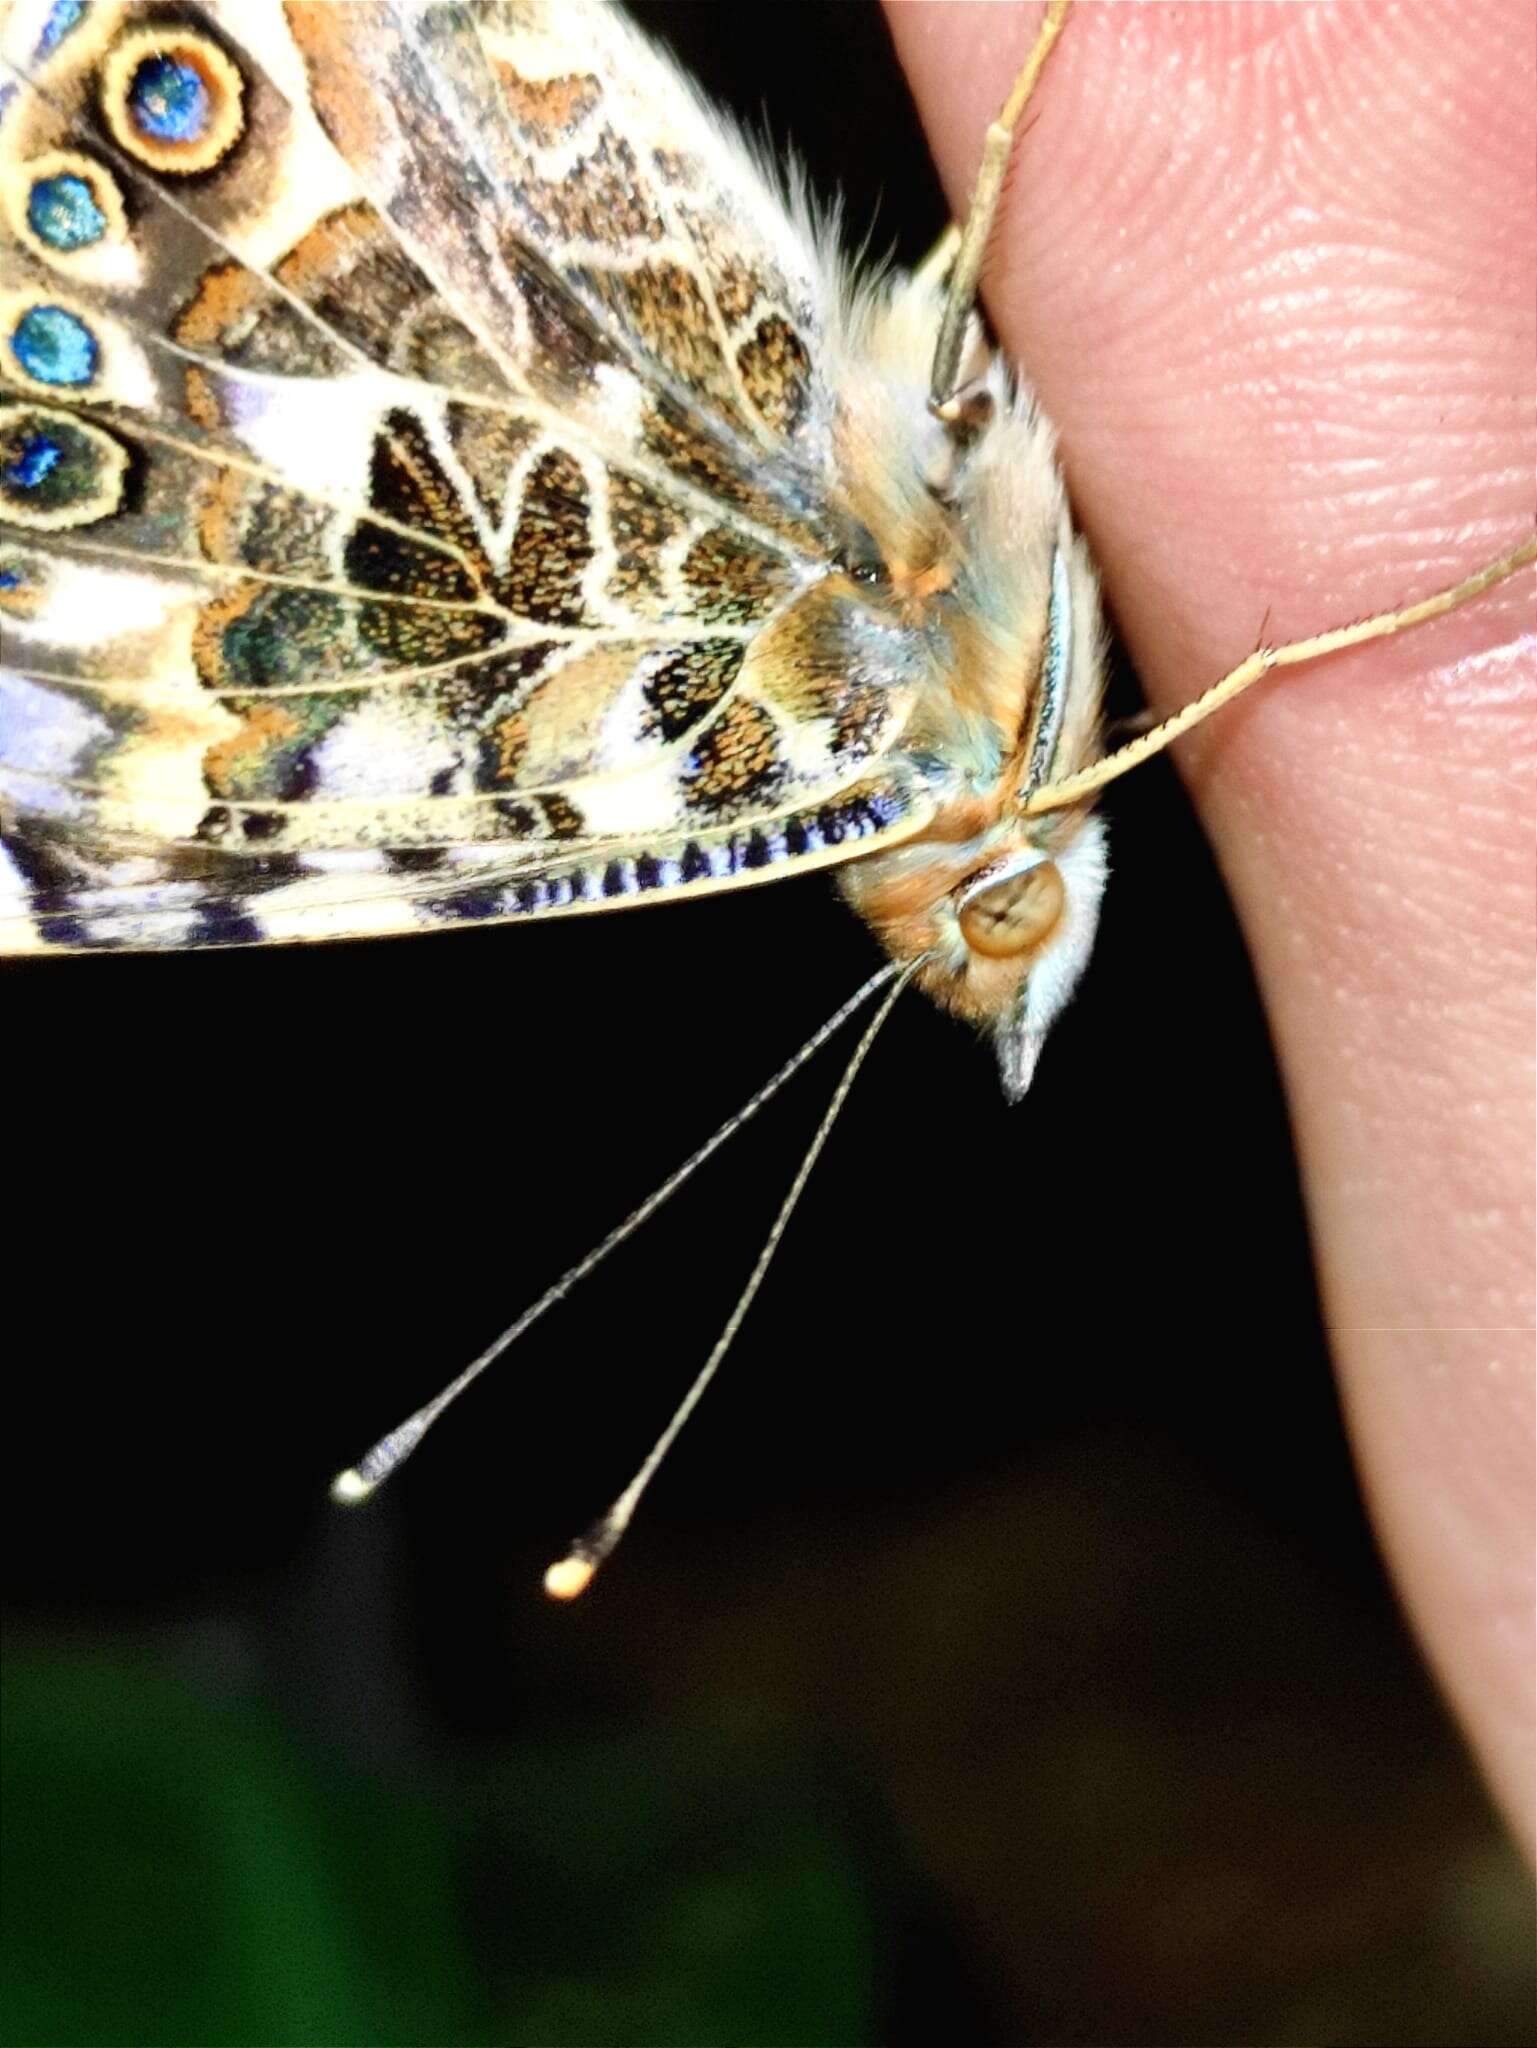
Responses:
[412,482]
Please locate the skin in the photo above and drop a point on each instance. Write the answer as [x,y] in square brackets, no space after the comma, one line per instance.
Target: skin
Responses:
[1270,270]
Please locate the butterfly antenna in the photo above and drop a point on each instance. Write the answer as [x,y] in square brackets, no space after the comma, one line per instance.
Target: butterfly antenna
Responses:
[573,1573]
[392,1450]
[1053,796]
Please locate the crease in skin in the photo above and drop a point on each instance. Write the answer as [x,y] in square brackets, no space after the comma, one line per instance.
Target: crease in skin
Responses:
[1482,685]
[1492,679]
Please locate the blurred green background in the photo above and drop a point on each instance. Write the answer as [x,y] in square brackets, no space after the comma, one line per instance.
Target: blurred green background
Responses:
[1003,1656]
[1079,1746]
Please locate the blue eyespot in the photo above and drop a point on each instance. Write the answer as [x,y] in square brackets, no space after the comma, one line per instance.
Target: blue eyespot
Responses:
[10,579]
[62,17]
[56,472]
[54,346]
[38,457]
[168,101]
[63,213]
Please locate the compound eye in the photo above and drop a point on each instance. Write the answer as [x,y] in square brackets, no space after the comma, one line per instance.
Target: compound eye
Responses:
[1015,915]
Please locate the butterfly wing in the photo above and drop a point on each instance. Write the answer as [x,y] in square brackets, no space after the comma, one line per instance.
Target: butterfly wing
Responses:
[413,497]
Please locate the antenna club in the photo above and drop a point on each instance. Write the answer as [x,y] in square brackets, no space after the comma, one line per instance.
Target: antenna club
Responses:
[571,1577]
[349,1489]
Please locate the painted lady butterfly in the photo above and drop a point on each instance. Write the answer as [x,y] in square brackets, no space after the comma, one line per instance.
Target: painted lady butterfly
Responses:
[445,479]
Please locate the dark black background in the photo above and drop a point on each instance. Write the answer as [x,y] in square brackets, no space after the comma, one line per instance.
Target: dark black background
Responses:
[1032,1428]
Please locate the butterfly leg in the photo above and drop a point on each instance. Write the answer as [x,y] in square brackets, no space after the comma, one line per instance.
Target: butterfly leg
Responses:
[1381,626]
[966,267]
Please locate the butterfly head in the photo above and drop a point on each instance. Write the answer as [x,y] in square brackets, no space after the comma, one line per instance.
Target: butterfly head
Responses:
[1027,922]
[1003,923]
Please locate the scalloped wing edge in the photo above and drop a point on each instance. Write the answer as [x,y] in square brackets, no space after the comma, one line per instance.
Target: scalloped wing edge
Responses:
[54,899]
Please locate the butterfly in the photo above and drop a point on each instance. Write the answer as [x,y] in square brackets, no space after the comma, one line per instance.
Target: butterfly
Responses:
[445,478]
